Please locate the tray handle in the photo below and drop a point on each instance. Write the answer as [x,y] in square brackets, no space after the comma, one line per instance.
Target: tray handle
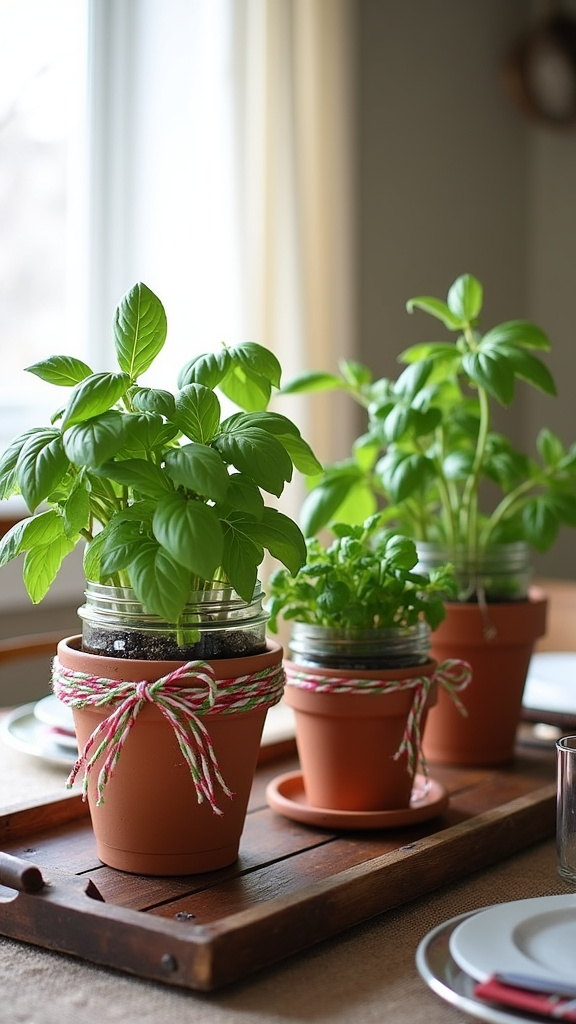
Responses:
[18,874]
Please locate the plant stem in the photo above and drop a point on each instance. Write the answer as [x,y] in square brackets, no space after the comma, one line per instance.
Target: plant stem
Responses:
[505,507]
[469,510]
[448,495]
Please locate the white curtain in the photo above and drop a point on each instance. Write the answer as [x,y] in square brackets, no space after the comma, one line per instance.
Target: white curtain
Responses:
[296,97]
[222,174]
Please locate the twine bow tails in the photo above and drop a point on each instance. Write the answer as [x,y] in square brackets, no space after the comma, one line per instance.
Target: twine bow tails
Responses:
[182,705]
[453,675]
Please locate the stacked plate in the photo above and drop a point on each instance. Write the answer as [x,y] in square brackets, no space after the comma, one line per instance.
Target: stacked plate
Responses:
[44,729]
[550,691]
[527,945]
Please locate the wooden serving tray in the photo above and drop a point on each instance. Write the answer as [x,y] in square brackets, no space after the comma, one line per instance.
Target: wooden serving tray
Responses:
[293,885]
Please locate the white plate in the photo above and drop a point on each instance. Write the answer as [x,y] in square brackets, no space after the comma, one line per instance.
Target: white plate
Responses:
[534,937]
[551,682]
[23,730]
[443,975]
[53,712]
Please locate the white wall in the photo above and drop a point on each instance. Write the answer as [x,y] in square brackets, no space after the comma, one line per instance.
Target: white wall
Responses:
[453,179]
[552,299]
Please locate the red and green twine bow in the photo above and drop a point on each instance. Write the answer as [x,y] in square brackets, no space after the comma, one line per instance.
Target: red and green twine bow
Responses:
[182,705]
[453,675]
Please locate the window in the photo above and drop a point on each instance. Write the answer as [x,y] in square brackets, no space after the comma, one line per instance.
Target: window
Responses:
[200,146]
[42,90]
[163,203]
[117,164]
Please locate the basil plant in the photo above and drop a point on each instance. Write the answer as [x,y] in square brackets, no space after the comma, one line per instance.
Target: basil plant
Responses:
[431,449]
[365,577]
[164,492]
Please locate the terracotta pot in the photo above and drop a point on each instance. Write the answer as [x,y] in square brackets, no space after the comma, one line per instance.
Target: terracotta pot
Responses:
[347,741]
[497,642]
[150,821]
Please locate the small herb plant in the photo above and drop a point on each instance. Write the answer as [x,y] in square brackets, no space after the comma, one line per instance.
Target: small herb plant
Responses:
[165,493]
[430,445]
[362,580]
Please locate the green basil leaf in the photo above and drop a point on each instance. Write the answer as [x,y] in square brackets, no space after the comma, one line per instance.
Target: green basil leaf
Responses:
[161,584]
[199,469]
[366,449]
[521,333]
[255,359]
[77,511]
[284,431]
[241,557]
[248,390]
[43,528]
[356,375]
[504,469]
[66,371]
[564,506]
[273,422]
[437,351]
[153,400]
[437,309]
[41,465]
[140,511]
[425,421]
[93,442]
[403,474]
[139,330]
[490,373]
[465,298]
[206,369]
[145,432]
[191,532]
[41,565]
[300,453]
[35,531]
[280,536]
[321,504]
[413,379]
[528,368]
[401,552]
[11,541]
[335,599]
[359,503]
[540,523]
[138,474]
[258,455]
[120,548]
[244,496]
[458,465]
[92,556]
[550,447]
[94,395]
[197,413]
[396,423]
[311,383]
[252,372]
[9,460]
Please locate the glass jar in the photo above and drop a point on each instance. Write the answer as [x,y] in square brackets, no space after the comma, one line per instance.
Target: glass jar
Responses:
[498,573]
[214,624]
[334,647]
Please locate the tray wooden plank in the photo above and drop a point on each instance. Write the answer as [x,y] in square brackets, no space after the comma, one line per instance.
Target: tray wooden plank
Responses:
[292,886]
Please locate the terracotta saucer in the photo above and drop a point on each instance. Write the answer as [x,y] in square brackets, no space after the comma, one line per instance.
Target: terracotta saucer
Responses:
[285,794]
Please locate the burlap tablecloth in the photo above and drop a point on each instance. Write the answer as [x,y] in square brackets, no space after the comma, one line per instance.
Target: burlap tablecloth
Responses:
[365,976]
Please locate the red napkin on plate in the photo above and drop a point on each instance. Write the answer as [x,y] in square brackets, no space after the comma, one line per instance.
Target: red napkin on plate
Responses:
[546,1003]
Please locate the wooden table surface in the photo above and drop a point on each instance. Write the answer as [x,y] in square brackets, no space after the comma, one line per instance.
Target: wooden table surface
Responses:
[363,974]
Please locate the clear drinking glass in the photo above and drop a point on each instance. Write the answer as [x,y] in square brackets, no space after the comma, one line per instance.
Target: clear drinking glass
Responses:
[566,808]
